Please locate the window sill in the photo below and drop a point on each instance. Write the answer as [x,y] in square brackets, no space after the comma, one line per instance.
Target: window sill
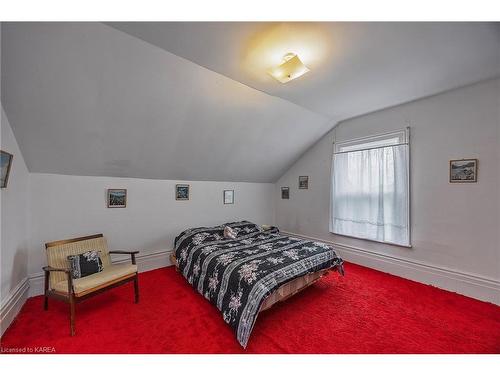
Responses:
[410,246]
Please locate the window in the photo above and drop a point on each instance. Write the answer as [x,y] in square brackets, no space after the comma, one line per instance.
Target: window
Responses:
[370,188]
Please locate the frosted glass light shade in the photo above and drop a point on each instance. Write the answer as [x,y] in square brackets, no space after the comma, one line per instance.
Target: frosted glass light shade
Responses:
[290,69]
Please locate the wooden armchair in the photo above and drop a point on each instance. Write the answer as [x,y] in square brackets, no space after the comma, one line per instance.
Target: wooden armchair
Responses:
[60,284]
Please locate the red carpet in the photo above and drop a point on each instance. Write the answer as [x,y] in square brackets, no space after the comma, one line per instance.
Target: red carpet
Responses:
[365,312]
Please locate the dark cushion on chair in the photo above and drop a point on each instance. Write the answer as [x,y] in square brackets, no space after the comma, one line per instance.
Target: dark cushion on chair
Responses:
[85,264]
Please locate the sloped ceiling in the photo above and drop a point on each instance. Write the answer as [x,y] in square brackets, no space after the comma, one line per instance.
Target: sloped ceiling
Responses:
[356,68]
[193,101]
[87,99]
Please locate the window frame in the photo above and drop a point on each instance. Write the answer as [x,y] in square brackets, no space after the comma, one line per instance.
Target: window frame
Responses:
[356,144]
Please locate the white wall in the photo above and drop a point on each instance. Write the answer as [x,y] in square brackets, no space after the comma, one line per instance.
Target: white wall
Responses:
[454,226]
[14,219]
[71,206]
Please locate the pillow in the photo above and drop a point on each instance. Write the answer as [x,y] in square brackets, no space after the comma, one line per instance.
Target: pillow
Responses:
[204,234]
[230,232]
[85,264]
[243,227]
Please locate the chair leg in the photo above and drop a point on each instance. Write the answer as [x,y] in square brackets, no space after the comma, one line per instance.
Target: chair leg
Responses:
[72,314]
[136,287]
[46,288]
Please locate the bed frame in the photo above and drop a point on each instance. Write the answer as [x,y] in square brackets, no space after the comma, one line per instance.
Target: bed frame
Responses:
[286,290]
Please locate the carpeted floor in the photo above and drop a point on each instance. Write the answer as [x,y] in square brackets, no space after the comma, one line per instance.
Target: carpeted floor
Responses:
[364,312]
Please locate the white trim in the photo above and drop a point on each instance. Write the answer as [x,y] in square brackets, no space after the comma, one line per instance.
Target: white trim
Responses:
[372,240]
[378,140]
[468,284]
[146,262]
[12,304]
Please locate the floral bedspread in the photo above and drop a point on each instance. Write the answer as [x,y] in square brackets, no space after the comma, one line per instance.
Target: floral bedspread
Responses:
[236,275]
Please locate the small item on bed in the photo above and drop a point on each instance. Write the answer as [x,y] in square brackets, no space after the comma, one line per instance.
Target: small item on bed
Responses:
[85,264]
[230,233]
[243,227]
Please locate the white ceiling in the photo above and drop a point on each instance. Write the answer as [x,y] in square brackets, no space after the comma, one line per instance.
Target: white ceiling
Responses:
[193,101]
[87,99]
[356,68]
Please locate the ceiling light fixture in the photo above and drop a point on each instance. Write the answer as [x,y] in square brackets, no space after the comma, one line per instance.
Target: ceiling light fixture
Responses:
[289,69]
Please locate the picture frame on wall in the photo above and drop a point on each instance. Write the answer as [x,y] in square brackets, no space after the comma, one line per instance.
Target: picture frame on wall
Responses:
[5,164]
[228,197]
[303,182]
[182,192]
[117,198]
[285,192]
[463,170]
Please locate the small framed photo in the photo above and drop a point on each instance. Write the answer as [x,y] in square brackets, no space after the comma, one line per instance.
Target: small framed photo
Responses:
[5,163]
[182,192]
[463,170]
[117,198]
[228,197]
[285,192]
[303,182]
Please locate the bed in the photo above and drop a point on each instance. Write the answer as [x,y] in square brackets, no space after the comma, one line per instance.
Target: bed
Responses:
[245,275]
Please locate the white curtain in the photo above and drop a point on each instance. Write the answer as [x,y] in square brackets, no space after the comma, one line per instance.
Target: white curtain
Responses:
[370,194]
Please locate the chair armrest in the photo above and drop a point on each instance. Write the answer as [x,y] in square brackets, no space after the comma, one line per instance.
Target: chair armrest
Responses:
[52,269]
[67,271]
[131,253]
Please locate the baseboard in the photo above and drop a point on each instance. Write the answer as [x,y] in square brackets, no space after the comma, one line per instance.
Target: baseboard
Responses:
[146,262]
[467,284]
[12,305]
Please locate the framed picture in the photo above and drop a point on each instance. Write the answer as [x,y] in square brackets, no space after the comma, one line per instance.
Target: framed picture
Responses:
[463,170]
[117,198]
[303,182]
[228,197]
[285,192]
[5,163]
[181,192]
